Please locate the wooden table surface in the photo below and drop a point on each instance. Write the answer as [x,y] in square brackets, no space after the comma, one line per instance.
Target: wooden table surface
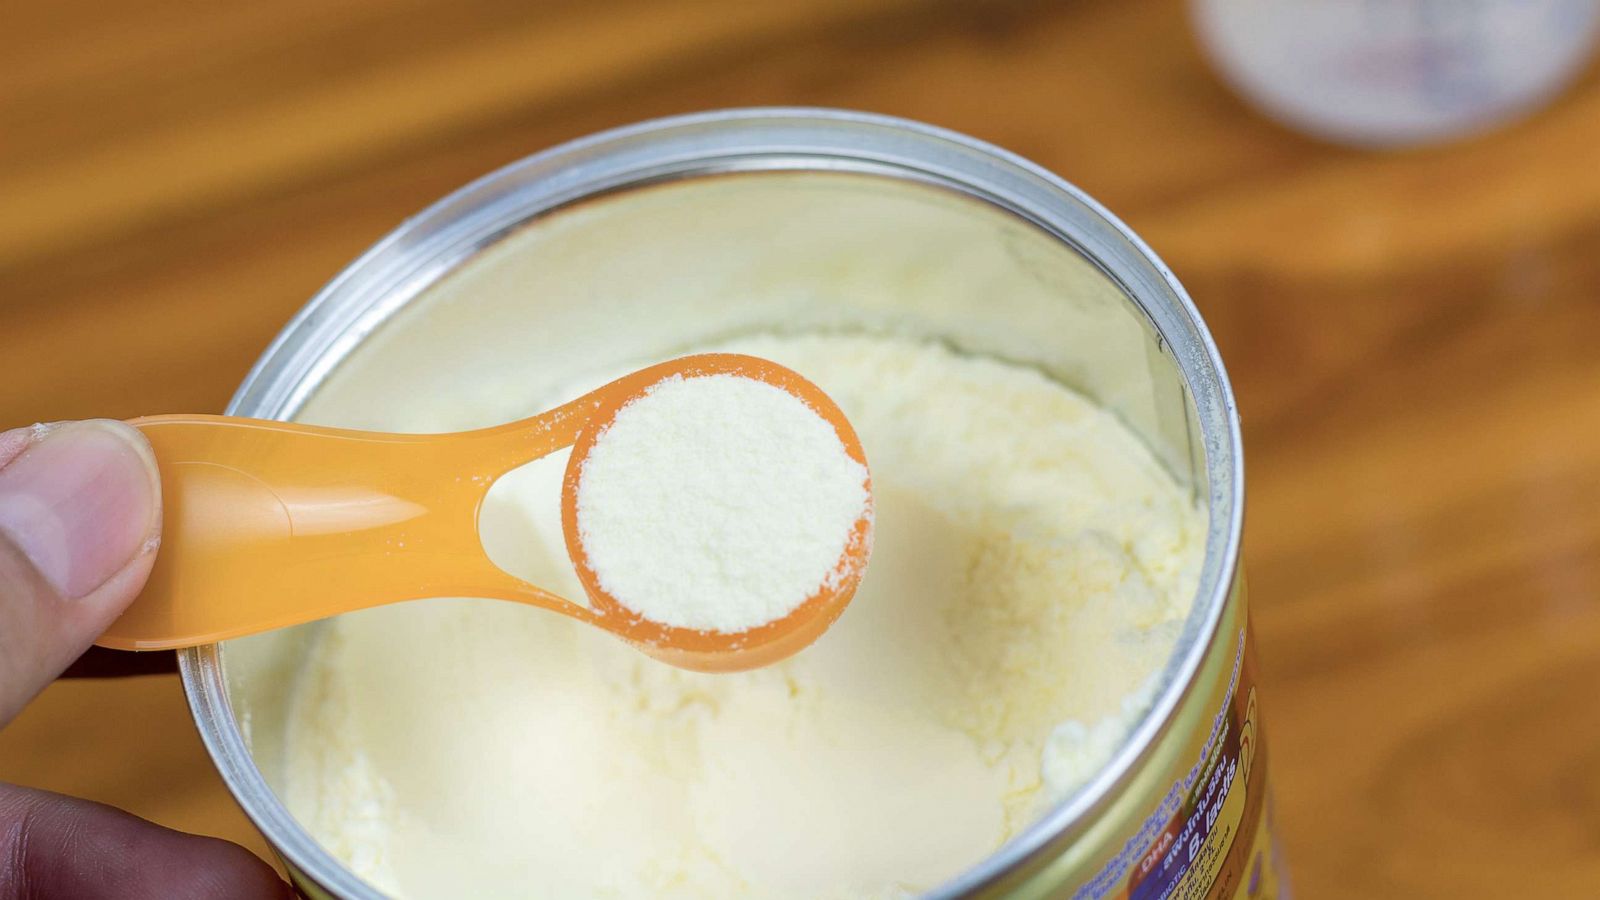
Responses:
[1415,338]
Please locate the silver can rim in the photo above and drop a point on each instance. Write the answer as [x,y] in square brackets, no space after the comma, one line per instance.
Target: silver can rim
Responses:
[423,248]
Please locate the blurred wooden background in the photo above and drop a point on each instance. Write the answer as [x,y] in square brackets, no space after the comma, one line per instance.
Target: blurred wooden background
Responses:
[1415,338]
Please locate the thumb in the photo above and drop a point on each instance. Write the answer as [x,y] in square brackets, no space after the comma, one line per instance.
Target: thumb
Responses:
[80,517]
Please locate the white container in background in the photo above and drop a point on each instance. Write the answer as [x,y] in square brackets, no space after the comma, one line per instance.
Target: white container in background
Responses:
[1392,72]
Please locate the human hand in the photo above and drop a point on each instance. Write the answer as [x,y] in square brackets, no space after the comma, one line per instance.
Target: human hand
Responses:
[80,520]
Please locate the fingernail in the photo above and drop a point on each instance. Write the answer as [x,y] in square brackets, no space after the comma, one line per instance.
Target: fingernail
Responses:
[80,500]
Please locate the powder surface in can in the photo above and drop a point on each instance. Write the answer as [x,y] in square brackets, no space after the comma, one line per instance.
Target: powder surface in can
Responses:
[1032,567]
[718,503]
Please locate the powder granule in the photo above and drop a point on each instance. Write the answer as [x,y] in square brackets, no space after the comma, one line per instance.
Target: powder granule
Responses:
[718,503]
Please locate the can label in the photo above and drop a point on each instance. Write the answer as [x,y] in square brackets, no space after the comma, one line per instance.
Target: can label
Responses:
[1209,838]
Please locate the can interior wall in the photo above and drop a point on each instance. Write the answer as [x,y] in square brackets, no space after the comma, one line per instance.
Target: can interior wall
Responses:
[719,225]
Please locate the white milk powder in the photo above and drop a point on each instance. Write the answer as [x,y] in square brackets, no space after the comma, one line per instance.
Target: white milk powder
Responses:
[1031,569]
[717,503]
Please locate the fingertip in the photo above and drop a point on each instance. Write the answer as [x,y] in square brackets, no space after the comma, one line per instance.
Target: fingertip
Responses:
[101,606]
[57,846]
[219,868]
[80,517]
[81,500]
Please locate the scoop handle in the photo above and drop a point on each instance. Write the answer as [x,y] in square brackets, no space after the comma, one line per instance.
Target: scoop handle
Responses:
[268,524]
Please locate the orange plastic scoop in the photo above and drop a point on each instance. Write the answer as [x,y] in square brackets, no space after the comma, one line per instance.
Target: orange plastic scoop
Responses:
[270,524]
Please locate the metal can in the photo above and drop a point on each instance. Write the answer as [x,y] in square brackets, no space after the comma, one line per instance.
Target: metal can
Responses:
[1042,276]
